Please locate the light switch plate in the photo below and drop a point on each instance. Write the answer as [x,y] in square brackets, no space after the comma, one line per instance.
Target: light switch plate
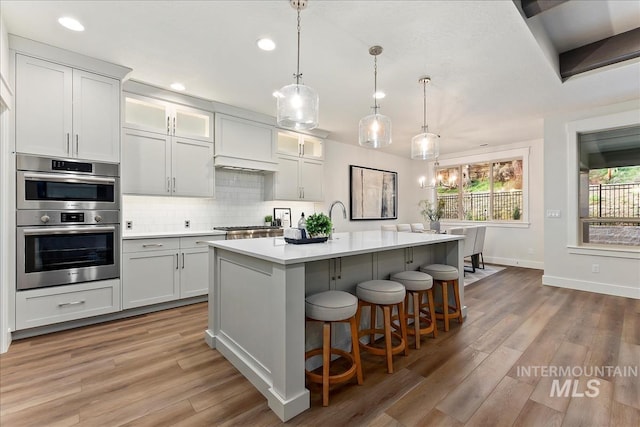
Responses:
[553,213]
[129,225]
[187,223]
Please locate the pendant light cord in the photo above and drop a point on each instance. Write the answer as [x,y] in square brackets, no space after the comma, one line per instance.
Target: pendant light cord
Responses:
[375,84]
[424,122]
[298,74]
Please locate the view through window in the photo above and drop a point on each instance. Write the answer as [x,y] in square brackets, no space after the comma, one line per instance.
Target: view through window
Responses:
[609,196]
[485,191]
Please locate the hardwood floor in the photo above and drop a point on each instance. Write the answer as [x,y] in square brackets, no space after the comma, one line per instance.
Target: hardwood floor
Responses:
[156,370]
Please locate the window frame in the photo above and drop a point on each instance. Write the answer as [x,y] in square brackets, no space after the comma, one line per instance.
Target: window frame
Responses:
[494,157]
[574,222]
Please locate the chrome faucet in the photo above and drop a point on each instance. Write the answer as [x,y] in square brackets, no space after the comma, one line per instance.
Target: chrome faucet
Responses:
[344,215]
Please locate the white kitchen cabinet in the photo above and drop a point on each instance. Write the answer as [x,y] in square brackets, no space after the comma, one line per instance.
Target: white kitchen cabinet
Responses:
[297,178]
[300,169]
[46,306]
[246,144]
[194,275]
[300,145]
[150,271]
[162,165]
[64,112]
[165,269]
[167,118]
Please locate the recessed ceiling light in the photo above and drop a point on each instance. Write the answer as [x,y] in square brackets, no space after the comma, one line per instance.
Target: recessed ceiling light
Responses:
[177,86]
[379,94]
[266,44]
[71,23]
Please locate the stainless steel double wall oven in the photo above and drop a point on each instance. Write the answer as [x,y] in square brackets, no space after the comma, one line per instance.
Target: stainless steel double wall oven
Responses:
[68,221]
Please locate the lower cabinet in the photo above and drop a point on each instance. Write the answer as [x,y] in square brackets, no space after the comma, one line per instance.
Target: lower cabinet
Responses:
[164,269]
[39,307]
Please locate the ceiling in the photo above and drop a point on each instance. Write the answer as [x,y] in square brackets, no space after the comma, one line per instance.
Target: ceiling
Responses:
[490,81]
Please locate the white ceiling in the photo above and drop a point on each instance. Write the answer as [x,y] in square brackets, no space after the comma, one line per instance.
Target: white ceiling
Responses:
[491,84]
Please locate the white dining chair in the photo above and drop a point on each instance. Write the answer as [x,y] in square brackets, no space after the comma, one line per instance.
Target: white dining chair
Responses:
[418,227]
[404,228]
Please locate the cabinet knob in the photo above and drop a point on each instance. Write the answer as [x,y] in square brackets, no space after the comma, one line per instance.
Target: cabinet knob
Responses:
[45,218]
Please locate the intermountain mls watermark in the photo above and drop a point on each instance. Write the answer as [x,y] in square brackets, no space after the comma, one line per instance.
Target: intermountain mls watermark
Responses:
[565,378]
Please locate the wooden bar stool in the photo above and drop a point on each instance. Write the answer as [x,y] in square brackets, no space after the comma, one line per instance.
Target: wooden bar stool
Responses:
[328,307]
[384,294]
[418,286]
[445,275]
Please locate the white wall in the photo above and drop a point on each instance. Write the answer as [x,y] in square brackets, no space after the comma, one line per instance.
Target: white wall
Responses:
[6,224]
[566,265]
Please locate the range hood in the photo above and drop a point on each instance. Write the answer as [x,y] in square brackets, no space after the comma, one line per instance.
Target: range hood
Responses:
[236,163]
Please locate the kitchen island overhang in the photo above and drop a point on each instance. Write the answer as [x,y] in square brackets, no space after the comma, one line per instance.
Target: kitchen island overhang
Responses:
[258,286]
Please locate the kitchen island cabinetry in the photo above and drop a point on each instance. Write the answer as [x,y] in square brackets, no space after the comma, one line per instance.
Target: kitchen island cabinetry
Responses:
[164,269]
[161,165]
[65,112]
[244,144]
[269,280]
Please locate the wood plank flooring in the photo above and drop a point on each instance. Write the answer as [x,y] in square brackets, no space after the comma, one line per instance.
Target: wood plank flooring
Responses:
[156,370]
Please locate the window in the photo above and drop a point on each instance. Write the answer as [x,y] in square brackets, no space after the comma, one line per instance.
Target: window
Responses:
[483,191]
[609,187]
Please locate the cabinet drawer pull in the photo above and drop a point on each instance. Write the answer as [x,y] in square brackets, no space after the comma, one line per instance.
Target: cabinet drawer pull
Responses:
[200,242]
[177,261]
[68,146]
[174,184]
[152,245]
[62,304]
[183,260]
[174,126]
[77,144]
[168,185]
[168,125]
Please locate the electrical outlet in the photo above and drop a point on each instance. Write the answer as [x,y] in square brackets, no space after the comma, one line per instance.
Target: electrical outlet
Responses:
[129,225]
[187,223]
[595,268]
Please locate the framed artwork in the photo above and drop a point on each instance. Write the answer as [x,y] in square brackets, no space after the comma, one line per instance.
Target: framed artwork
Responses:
[374,193]
[282,217]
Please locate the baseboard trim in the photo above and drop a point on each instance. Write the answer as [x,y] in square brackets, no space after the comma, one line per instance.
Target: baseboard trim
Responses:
[584,285]
[514,262]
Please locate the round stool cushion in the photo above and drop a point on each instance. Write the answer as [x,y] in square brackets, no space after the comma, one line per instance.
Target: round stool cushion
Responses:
[413,280]
[381,292]
[440,271]
[331,306]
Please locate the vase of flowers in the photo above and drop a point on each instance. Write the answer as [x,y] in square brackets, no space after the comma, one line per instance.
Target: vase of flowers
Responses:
[432,213]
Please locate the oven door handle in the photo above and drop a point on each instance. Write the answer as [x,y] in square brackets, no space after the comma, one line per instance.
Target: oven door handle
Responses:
[68,178]
[66,230]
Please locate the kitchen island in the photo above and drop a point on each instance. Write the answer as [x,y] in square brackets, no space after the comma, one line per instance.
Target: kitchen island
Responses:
[258,286]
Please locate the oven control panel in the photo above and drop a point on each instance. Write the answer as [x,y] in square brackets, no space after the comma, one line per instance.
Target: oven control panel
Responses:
[52,217]
[72,217]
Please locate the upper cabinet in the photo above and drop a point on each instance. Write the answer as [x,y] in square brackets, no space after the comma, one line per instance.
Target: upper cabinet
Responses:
[167,149]
[65,112]
[244,144]
[299,145]
[155,115]
[300,172]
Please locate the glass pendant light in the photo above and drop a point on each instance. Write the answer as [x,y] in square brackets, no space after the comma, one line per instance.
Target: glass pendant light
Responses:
[297,104]
[374,130]
[425,146]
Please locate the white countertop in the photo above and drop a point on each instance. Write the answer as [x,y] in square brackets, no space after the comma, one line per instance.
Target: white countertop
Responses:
[153,234]
[276,250]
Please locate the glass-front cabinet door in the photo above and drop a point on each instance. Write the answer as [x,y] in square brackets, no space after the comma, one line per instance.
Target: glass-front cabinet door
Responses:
[299,145]
[155,115]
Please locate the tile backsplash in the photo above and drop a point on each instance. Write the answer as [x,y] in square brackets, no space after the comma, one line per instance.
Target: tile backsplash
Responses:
[239,200]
